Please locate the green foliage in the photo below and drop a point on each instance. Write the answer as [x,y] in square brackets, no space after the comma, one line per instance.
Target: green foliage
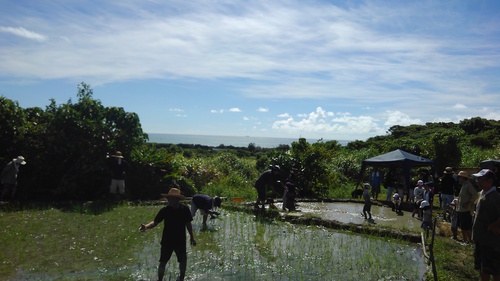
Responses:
[66,144]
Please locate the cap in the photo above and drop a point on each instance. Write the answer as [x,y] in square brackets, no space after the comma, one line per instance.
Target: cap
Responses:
[420,182]
[485,173]
[429,183]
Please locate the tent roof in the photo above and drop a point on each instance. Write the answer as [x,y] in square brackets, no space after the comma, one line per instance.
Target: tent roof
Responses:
[398,157]
[489,164]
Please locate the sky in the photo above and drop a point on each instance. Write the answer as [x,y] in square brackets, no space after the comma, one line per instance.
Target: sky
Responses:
[337,70]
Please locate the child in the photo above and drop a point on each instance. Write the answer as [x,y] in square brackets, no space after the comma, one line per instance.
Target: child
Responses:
[368,202]
[453,215]
[427,215]
[396,203]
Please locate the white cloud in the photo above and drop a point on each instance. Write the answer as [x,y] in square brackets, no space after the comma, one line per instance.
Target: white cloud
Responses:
[234,109]
[399,118]
[176,110]
[459,106]
[263,109]
[322,121]
[23,32]
[217,111]
[284,115]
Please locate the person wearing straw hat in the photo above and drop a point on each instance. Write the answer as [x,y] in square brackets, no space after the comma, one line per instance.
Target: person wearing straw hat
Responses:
[176,219]
[486,227]
[119,168]
[9,176]
[465,205]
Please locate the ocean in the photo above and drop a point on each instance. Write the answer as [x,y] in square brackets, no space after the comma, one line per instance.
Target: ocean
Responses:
[214,141]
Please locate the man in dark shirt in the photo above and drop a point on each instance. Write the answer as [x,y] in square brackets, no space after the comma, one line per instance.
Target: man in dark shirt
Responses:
[267,178]
[447,189]
[177,218]
[119,168]
[205,204]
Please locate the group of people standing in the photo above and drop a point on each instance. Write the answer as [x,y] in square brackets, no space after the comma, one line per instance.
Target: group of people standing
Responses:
[473,210]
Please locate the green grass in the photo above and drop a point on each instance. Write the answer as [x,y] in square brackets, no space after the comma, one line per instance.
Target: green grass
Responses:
[54,240]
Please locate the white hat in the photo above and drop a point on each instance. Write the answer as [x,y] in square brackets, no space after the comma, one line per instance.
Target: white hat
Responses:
[424,204]
[20,160]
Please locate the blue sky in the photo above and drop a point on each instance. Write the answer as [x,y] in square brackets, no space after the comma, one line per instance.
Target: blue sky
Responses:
[340,70]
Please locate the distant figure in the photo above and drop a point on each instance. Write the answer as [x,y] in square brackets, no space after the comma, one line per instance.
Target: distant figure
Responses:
[376,178]
[268,178]
[177,218]
[119,168]
[9,177]
[367,208]
[396,203]
[389,184]
[453,215]
[290,193]
[447,189]
[427,215]
[465,205]
[205,204]
[418,194]
[486,227]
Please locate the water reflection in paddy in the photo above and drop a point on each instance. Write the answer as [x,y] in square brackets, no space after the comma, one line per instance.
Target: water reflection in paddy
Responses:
[346,212]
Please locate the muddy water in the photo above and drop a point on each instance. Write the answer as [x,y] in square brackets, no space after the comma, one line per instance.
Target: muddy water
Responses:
[347,212]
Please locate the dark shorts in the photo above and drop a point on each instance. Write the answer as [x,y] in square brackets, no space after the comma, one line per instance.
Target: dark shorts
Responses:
[179,249]
[367,208]
[487,259]
[464,220]
[261,192]
[376,187]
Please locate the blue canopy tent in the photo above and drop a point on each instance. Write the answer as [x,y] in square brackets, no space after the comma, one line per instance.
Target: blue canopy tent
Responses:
[397,159]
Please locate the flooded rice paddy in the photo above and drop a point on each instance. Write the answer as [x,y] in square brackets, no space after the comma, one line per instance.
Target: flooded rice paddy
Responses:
[237,246]
[345,212]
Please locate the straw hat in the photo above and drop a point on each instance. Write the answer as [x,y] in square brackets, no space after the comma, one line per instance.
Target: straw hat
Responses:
[118,154]
[448,170]
[174,192]
[463,174]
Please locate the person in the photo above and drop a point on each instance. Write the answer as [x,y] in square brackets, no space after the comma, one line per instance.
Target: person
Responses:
[418,193]
[453,215]
[396,203]
[9,177]
[376,178]
[367,208]
[447,189]
[205,204]
[465,207]
[268,178]
[389,182]
[429,193]
[427,215]
[290,193]
[177,218]
[486,227]
[119,168]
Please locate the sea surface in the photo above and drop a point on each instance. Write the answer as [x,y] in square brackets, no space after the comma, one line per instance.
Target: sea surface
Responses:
[236,141]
